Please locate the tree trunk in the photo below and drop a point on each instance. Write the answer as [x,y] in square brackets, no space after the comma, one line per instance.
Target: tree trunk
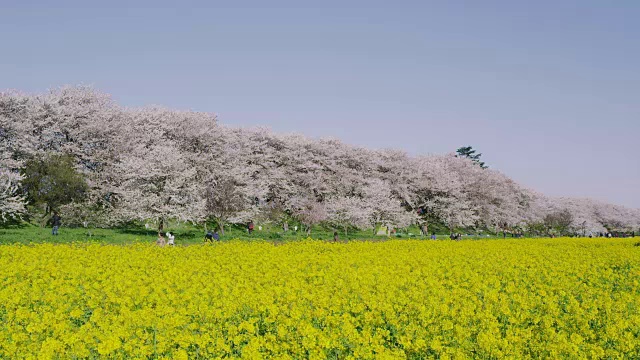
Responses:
[161,225]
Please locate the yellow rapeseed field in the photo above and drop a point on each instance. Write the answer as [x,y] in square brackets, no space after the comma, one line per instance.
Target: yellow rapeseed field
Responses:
[492,299]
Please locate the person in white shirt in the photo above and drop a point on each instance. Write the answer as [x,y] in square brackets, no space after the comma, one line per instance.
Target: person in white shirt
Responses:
[171,238]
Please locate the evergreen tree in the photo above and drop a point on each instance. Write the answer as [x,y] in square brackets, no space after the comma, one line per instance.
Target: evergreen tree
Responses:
[52,181]
[469,153]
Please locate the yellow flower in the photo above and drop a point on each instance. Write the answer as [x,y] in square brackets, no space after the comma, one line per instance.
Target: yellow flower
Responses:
[543,298]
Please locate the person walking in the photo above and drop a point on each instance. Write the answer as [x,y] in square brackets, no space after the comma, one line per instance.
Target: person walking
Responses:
[335,236]
[250,227]
[56,221]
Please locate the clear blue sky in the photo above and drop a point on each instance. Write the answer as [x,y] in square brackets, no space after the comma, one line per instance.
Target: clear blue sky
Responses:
[549,91]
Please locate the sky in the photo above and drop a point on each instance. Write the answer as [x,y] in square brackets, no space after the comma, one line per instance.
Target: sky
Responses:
[547,91]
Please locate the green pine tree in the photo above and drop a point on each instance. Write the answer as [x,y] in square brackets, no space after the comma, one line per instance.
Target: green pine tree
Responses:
[469,153]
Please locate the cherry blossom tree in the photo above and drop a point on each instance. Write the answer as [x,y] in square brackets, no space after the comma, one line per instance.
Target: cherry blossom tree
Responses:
[14,139]
[74,121]
[382,207]
[344,212]
[154,163]
[308,211]
[12,203]
[156,174]
[440,192]
[224,201]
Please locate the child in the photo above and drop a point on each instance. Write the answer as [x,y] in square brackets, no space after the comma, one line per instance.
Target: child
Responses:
[172,239]
[161,241]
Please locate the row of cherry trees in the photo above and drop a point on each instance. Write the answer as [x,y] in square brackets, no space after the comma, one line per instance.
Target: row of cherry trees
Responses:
[156,163]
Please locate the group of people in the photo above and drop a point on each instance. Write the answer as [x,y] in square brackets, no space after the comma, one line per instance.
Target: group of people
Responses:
[610,234]
[162,241]
[285,227]
[513,234]
[210,236]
